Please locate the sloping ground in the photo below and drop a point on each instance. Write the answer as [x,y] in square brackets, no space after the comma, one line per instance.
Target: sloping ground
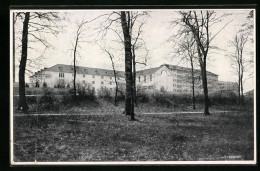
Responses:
[113,137]
[106,106]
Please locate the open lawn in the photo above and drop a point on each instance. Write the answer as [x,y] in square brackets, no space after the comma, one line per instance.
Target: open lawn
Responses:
[112,137]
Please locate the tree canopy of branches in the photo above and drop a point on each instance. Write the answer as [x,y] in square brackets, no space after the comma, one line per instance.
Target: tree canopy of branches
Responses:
[112,58]
[78,38]
[34,31]
[238,61]
[198,23]
[129,35]
[185,49]
[240,55]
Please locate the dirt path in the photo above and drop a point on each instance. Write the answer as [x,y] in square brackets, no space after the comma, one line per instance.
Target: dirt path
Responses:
[160,113]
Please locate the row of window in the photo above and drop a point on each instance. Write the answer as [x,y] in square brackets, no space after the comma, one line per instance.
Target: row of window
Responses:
[93,82]
[61,75]
[139,78]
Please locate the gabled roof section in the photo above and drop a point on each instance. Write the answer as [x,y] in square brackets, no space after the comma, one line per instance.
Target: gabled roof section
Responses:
[176,67]
[84,70]
[147,71]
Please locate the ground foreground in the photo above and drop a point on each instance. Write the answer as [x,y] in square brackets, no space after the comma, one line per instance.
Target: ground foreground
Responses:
[154,137]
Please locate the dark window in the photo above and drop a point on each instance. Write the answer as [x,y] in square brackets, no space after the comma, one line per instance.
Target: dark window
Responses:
[144,78]
[151,77]
[93,76]
[93,82]
[102,82]
[61,74]
[139,79]
[83,75]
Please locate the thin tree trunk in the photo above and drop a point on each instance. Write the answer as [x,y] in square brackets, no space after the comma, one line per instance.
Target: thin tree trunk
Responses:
[242,74]
[116,93]
[14,47]
[22,98]
[74,67]
[242,91]
[115,79]
[134,77]
[129,109]
[193,91]
[239,75]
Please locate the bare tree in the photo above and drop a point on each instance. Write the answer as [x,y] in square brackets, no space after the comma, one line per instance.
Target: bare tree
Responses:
[125,22]
[22,99]
[240,55]
[35,30]
[78,38]
[198,23]
[111,57]
[185,49]
[239,62]
[128,34]
[139,19]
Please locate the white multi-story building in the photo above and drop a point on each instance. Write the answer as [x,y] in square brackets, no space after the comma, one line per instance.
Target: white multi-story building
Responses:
[62,76]
[227,87]
[174,79]
[168,78]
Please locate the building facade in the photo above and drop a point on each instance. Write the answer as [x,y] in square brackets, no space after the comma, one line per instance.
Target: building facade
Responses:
[169,78]
[175,79]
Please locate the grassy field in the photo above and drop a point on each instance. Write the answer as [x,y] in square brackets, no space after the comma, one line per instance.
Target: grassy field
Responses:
[112,137]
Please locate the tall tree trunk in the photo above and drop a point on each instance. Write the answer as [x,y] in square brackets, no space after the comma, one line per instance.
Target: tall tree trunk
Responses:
[128,67]
[13,47]
[239,78]
[116,93]
[202,61]
[205,87]
[134,77]
[242,89]
[22,98]
[242,74]
[74,67]
[193,91]
[115,80]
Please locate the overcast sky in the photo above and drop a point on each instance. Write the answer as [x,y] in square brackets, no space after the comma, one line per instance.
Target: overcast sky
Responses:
[156,33]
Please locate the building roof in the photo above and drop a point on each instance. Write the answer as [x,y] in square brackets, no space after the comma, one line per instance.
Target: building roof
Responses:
[147,71]
[176,67]
[84,70]
[106,72]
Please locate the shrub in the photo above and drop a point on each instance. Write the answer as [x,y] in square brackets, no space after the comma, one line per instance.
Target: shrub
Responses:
[48,102]
[85,93]
[162,99]
[142,95]
[223,98]
[105,93]
[121,92]
[37,84]
[44,85]
[31,99]
[66,98]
